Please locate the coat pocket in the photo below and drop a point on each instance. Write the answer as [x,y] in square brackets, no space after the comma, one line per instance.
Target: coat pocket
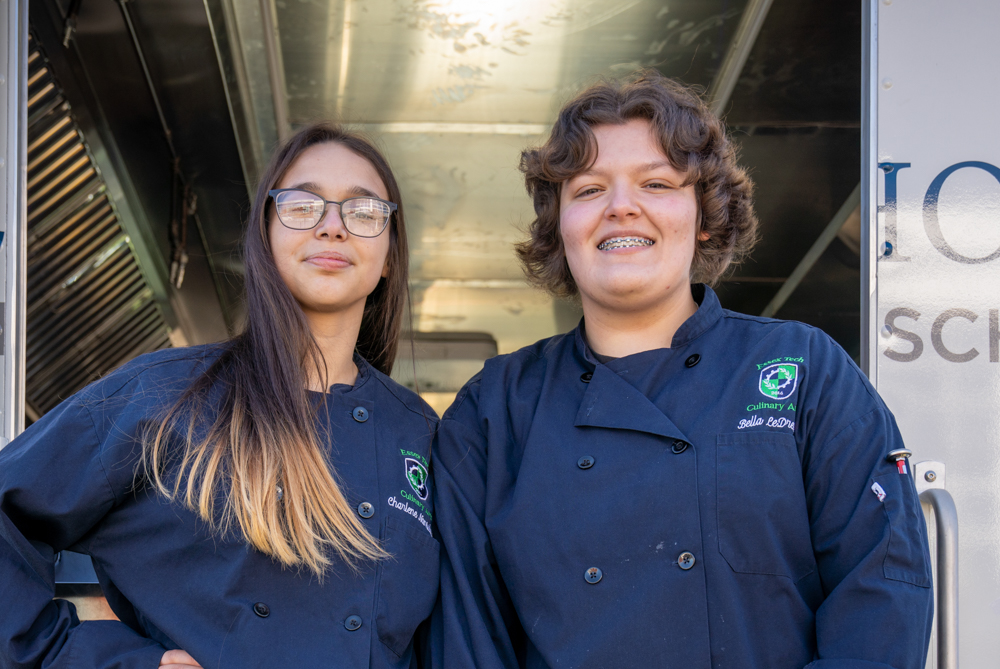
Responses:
[907,558]
[408,583]
[762,514]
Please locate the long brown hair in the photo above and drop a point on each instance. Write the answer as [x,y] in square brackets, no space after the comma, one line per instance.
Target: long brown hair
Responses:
[250,442]
[690,135]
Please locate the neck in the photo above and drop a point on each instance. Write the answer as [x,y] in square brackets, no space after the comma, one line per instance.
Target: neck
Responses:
[616,332]
[336,334]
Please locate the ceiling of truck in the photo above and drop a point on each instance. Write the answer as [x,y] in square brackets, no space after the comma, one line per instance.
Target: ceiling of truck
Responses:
[453,90]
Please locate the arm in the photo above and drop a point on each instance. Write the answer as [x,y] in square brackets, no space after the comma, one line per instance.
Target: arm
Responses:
[475,624]
[872,554]
[54,489]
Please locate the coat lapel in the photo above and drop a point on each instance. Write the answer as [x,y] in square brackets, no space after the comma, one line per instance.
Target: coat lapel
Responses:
[612,402]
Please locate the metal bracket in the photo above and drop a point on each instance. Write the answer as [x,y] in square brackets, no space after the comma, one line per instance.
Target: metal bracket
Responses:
[929,474]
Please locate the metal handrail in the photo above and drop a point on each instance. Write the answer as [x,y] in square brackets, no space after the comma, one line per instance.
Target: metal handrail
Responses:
[946,579]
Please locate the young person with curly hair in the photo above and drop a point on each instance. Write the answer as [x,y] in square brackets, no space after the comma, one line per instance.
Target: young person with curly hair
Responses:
[671,484]
[262,502]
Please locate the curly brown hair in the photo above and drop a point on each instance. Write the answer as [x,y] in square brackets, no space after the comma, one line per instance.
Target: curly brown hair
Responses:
[694,141]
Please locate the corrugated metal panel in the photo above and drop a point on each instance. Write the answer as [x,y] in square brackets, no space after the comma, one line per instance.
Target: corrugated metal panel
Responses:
[89,308]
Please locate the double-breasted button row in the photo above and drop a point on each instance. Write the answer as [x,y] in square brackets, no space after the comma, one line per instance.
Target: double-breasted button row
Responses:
[691,361]
[587,461]
[352,623]
[594,575]
[366,509]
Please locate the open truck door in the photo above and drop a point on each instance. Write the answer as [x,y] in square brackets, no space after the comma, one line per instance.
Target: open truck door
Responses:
[931,287]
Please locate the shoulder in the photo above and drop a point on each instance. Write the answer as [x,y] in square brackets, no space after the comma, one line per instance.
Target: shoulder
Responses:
[827,376]
[169,368]
[530,359]
[516,374]
[793,335]
[402,396]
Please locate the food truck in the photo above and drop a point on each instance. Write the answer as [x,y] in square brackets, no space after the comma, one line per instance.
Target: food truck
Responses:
[132,131]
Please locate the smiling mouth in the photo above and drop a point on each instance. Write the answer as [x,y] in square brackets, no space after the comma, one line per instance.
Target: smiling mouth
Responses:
[624,243]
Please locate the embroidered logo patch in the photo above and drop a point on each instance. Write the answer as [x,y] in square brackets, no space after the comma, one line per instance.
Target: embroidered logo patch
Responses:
[779,381]
[879,492]
[416,474]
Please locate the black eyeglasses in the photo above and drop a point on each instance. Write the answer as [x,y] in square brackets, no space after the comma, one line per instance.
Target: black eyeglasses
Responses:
[303,210]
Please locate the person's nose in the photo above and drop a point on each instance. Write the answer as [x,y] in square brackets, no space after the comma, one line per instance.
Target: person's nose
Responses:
[331,226]
[623,205]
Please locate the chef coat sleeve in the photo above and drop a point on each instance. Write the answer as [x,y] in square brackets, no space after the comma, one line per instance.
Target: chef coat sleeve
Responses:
[475,624]
[55,488]
[870,542]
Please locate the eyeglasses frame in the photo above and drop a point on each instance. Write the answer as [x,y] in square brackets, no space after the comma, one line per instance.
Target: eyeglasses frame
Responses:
[273,194]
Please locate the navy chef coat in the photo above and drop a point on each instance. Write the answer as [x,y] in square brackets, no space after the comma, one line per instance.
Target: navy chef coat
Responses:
[723,503]
[67,483]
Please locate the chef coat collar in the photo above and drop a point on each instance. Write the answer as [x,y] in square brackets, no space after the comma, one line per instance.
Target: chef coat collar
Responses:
[708,313]
[612,402]
[364,373]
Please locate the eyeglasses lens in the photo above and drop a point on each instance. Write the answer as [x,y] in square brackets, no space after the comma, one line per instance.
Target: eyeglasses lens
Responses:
[299,210]
[364,216]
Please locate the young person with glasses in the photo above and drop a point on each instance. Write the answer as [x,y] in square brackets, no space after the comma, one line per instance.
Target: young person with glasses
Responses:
[671,484]
[260,502]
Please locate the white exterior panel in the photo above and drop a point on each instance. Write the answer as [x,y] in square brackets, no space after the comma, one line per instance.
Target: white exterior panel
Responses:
[935,289]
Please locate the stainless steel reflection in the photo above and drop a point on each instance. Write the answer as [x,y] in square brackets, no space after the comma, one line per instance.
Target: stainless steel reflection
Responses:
[463,60]
[454,90]
[736,56]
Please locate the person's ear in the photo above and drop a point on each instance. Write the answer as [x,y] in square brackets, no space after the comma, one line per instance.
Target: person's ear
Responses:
[703,236]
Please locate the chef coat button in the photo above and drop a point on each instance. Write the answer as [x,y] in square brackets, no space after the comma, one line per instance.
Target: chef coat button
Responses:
[586,377]
[685,560]
[593,575]
[366,510]
[261,609]
[586,462]
[692,360]
[360,414]
[678,447]
[352,623]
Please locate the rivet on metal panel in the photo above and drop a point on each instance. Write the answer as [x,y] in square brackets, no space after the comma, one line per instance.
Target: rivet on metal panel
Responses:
[886,2]
[885,331]
[887,83]
[928,474]
[3,80]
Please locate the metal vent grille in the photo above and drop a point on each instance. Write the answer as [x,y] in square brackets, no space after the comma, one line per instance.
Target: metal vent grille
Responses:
[88,308]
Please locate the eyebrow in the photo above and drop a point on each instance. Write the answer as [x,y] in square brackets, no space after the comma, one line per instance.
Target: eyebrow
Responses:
[648,167]
[353,191]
